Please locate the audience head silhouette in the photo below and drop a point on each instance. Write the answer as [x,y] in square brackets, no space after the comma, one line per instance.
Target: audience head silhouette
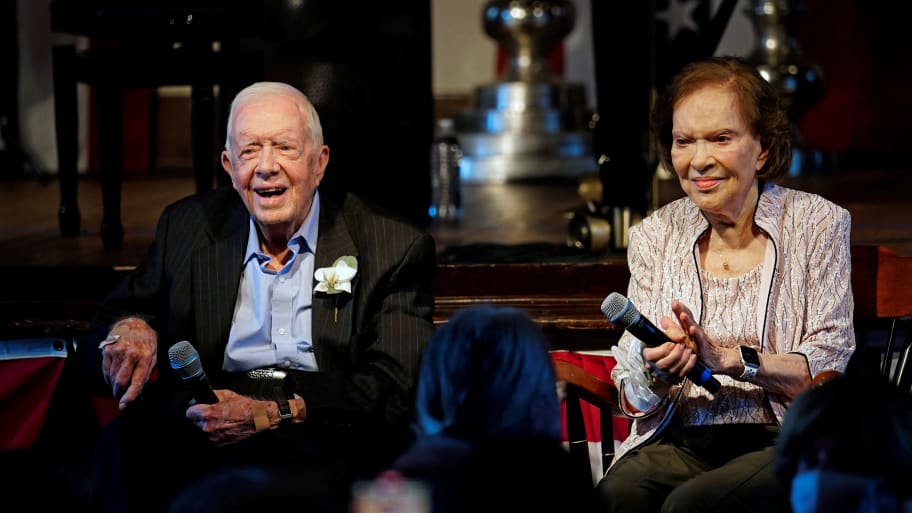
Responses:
[244,488]
[487,373]
[846,446]
[487,420]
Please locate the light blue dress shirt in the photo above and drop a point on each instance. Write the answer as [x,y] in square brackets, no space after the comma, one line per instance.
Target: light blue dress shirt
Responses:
[272,317]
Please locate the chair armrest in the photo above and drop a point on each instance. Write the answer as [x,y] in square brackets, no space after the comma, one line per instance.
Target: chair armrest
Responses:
[591,389]
[824,376]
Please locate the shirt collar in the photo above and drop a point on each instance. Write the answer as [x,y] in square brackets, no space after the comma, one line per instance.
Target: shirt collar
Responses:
[307,234]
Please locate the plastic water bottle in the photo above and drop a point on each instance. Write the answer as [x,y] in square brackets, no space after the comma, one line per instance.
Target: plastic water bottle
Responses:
[446,192]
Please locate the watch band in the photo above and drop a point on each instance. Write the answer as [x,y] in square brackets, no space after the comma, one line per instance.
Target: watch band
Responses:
[281,399]
[751,362]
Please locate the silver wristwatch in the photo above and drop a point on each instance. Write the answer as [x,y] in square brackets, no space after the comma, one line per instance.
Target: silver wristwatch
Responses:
[751,362]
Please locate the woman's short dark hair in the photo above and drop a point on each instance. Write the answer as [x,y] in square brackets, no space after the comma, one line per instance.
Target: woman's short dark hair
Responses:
[758,100]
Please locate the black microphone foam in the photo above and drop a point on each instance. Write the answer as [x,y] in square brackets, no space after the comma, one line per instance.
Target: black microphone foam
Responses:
[185,360]
[620,310]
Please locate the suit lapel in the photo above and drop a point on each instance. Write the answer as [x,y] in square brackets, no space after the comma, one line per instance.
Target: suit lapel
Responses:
[215,277]
[332,326]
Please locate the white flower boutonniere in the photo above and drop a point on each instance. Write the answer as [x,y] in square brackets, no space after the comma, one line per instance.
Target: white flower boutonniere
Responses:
[336,279]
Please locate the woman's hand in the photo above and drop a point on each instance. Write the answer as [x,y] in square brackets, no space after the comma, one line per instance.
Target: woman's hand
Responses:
[785,374]
[671,361]
[668,363]
[710,353]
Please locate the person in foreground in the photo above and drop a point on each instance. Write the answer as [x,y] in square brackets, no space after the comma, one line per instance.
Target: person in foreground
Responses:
[327,296]
[487,420]
[846,447]
[749,277]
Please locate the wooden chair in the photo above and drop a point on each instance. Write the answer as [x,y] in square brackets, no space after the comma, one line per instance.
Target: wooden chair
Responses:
[582,388]
[882,287]
[593,421]
[902,377]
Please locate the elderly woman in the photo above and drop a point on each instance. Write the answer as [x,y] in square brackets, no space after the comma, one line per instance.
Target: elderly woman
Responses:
[748,277]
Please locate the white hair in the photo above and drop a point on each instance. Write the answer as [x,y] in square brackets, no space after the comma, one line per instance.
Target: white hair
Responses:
[268,88]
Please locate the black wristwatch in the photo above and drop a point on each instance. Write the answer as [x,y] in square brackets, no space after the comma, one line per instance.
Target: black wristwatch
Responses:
[281,398]
[751,362]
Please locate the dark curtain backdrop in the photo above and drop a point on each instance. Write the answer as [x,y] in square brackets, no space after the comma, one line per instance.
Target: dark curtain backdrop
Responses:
[366,66]
[10,150]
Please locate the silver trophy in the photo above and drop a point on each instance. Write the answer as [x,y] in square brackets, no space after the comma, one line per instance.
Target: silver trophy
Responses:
[799,82]
[529,123]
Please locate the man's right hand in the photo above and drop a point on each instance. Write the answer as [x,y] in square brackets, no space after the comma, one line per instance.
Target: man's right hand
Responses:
[128,362]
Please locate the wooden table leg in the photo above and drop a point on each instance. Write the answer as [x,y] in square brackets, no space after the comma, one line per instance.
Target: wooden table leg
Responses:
[110,141]
[67,133]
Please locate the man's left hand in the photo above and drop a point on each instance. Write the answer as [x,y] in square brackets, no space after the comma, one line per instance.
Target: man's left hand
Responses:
[228,421]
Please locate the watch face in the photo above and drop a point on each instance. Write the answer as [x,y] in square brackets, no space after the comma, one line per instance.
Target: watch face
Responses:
[749,356]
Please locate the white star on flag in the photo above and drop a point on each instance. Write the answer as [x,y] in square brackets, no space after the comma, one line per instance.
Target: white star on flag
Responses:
[679,16]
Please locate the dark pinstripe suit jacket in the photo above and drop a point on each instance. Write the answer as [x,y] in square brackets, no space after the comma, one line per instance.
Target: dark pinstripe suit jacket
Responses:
[368,356]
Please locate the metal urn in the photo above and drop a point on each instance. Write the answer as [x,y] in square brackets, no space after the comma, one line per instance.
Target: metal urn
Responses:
[778,57]
[529,123]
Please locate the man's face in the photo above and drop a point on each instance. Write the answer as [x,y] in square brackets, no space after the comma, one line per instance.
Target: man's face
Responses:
[273,163]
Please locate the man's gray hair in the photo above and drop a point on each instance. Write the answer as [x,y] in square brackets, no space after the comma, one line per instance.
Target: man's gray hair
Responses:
[267,88]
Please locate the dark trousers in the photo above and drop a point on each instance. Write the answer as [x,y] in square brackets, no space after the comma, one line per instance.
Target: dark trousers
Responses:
[725,468]
[151,453]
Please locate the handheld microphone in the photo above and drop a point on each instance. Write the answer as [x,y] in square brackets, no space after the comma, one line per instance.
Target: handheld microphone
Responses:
[619,310]
[185,360]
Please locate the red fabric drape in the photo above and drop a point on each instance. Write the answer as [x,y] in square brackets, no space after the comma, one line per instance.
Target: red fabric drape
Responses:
[26,388]
[599,366]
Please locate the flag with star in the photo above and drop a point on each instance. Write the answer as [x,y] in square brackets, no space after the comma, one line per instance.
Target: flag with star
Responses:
[686,31]
[638,47]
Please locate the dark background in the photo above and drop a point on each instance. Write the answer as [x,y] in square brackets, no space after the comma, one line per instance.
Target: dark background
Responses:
[367,67]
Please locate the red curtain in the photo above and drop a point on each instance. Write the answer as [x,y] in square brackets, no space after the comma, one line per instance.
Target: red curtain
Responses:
[26,387]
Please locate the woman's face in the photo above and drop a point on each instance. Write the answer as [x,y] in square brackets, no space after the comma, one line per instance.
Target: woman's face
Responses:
[714,153]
